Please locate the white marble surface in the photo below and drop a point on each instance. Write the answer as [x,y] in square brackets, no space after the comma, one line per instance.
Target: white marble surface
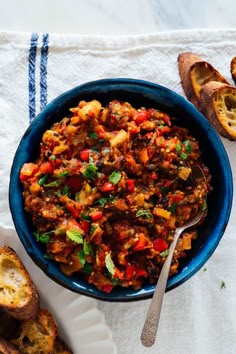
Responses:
[112,17]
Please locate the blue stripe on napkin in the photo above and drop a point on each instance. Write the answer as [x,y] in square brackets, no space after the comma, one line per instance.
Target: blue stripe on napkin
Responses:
[43,71]
[32,60]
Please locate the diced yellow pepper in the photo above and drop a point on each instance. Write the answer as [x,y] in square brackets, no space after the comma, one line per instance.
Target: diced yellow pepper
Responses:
[119,138]
[161,212]
[143,155]
[184,172]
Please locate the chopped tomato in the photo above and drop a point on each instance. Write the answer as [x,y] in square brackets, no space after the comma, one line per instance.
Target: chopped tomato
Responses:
[130,185]
[46,167]
[153,175]
[130,272]
[141,243]
[140,117]
[160,245]
[96,215]
[84,154]
[107,288]
[85,226]
[141,272]
[28,170]
[108,187]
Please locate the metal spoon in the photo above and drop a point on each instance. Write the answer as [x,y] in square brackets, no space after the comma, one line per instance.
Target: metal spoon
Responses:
[150,327]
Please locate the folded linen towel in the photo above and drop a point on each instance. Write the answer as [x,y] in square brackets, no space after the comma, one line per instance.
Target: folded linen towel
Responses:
[199,316]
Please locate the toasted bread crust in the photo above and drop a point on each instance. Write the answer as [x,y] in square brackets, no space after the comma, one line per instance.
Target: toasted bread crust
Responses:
[7,348]
[233,69]
[218,104]
[39,331]
[19,296]
[194,73]
[60,347]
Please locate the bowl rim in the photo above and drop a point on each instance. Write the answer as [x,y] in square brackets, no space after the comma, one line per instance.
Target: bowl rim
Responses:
[14,199]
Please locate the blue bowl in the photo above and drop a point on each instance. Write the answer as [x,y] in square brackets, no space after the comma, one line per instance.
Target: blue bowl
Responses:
[138,93]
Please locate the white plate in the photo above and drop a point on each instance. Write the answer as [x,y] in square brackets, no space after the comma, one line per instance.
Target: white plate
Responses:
[80,323]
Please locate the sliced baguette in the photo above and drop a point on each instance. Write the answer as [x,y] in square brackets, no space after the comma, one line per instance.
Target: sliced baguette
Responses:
[218,104]
[18,294]
[37,335]
[233,69]
[7,348]
[194,73]
[60,347]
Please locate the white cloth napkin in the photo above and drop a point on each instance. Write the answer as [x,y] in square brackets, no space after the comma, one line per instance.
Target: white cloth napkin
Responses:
[198,317]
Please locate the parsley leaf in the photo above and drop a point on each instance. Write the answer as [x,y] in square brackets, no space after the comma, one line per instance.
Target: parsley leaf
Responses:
[45,237]
[91,170]
[144,213]
[75,236]
[109,264]
[115,177]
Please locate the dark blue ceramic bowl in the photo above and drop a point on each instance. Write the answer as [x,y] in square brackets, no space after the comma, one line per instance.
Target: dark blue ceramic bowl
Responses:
[138,93]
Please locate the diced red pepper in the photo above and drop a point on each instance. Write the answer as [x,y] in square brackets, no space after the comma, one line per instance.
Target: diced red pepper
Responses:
[28,170]
[85,226]
[107,187]
[141,243]
[141,117]
[160,245]
[176,197]
[153,175]
[84,154]
[46,167]
[130,272]
[107,288]
[74,209]
[74,182]
[133,128]
[96,215]
[130,185]
[141,272]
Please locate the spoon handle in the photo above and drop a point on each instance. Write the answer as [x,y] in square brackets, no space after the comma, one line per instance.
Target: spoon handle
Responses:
[151,323]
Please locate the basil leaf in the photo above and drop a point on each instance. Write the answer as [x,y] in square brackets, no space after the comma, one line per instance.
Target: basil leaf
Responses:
[75,236]
[115,177]
[43,179]
[81,257]
[144,213]
[109,264]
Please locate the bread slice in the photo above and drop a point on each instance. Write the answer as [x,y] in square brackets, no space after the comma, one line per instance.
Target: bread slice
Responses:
[37,335]
[194,73]
[7,348]
[233,69]
[18,294]
[8,325]
[60,347]
[218,104]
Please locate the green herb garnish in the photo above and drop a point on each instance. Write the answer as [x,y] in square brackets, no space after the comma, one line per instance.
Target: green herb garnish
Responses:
[43,179]
[164,190]
[102,201]
[85,217]
[88,268]
[144,213]
[109,264]
[87,248]
[75,236]
[53,157]
[188,146]
[173,208]
[63,174]
[92,229]
[178,147]
[55,183]
[204,206]
[93,135]
[183,156]
[164,253]
[45,237]
[91,170]
[81,257]
[115,177]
